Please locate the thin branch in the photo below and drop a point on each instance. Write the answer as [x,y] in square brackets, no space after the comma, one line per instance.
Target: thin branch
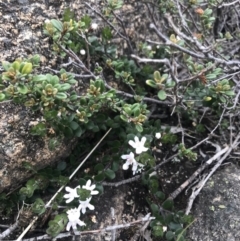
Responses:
[8,231]
[145,219]
[174,194]
[203,182]
[228,4]
[184,50]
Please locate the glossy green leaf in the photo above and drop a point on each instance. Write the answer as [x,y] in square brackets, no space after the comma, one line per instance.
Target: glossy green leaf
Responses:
[160,195]
[151,83]
[99,167]
[64,87]
[139,127]
[155,209]
[61,96]
[27,68]
[22,89]
[170,235]
[110,174]
[2,97]
[99,177]
[74,125]
[57,24]
[78,132]
[168,204]
[162,95]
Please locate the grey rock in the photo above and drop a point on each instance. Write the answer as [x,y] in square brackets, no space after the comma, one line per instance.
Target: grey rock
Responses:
[218,208]
[17,146]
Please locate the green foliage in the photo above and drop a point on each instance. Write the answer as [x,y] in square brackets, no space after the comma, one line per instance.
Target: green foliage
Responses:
[117,95]
[57,225]
[184,152]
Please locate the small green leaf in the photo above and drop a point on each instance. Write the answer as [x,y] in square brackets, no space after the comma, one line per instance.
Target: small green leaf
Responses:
[61,95]
[162,95]
[139,127]
[154,207]
[110,174]
[74,125]
[27,68]
[124,118]
[100,177]
[151,83]
[78,132]
[61,165]
[64,87]
[168,204]
[229,93]
[39,78]
[2,97]
[57,24]
[211,76]
[157,76]
[22,89]
[99,167]
[169,235]
[160,195]
[99,187]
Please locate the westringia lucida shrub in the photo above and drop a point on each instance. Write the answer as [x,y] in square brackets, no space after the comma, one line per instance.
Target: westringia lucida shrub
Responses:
[183,70]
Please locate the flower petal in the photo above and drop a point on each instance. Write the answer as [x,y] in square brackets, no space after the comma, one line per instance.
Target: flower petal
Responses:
[69,225]
[132,143]
[136,139]
[125,166]
[94,192]
[124,156]
[143,140]
[88,184]
[91,207]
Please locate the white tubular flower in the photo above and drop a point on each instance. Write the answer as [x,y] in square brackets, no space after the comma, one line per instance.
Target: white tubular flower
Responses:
[94,26]
[131,161]
[158,135]
[138,145]
[73,217]
[82,52]
[72,194]
[90,188]
[85,204]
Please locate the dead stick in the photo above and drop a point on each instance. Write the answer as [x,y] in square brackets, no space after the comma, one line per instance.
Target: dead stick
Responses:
[174,194]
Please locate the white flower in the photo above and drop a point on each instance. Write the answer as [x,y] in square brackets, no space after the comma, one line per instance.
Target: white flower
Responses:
[82,52]
[131,161]
[85,204]
[158,135]
[94,26]
[138,145]
[90,188]
[164,228]
[149,47]
[72,194]
[73,217]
